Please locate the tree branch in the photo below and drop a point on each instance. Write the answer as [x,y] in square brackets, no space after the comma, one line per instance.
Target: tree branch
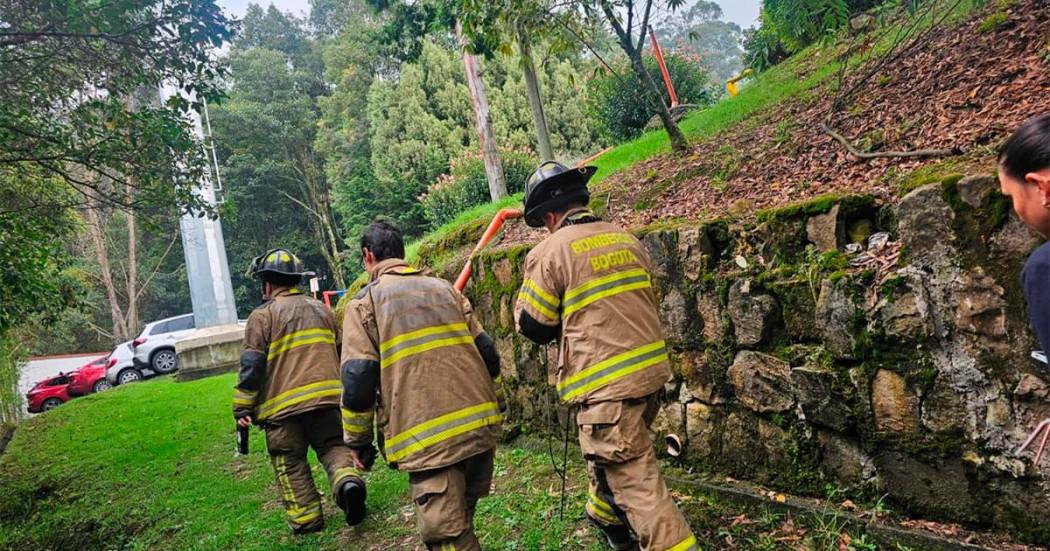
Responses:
[887,154]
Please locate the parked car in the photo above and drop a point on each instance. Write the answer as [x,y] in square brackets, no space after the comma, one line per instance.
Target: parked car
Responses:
[91,377]
[123,370]
[155,347]
[48,394]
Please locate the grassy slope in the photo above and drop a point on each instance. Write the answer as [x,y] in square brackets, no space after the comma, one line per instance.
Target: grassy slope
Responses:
[812,70]
[152,466]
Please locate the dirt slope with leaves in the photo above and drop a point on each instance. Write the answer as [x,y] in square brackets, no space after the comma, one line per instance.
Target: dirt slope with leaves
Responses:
[961,88]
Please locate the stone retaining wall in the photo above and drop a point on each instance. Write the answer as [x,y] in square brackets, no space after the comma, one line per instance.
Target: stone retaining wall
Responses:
[908,375]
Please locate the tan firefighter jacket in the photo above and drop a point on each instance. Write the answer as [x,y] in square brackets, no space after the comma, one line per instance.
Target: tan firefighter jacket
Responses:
[413,341]
[289,362]
[589,284]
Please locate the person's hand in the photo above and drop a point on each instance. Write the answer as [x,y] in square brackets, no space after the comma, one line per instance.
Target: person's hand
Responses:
[244,422]
[355,453]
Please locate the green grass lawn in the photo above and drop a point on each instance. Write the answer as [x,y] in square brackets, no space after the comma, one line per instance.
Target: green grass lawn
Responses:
[152,466]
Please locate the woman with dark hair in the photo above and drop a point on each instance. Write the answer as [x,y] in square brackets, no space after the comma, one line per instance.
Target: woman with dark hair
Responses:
[1024,175]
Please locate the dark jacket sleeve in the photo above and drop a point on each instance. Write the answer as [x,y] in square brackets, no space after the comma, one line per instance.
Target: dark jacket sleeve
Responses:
[535,331]
[359,373]
[1035,279]
[253,364]
[487,348]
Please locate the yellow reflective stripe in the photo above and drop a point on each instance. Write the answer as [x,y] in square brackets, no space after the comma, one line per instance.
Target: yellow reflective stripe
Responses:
[424,332]
[441,428]
[572,306]
[413,350]
[547,312]
[328,387]
[688,544]
[553,300]
[602,381]
[299,338]
[286,486]
[445,435]
[609,362]
[243,397]
[599,503]
[358,423]
[305,514]
[342,473]
[602,281]
[295,335]
[452,416]
[602,515]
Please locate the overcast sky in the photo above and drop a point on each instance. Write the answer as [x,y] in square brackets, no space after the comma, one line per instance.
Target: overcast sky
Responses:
[741,12]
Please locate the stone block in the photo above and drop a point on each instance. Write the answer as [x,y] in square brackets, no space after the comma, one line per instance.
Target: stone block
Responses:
[662,251]
[826,231]
[895,407]
[938,488]
[812,387]
[695,252]
[974,189]
[844,460]
[835,318]
[762,382]
[711,316]
[674,316]
[906,315]
[925,225]
[754,315]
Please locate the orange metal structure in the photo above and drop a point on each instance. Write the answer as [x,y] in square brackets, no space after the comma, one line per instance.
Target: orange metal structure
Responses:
[494,227]
[663,68]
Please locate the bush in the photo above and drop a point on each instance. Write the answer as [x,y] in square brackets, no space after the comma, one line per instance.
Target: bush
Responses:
[617,104]
[466,184]
[762,46]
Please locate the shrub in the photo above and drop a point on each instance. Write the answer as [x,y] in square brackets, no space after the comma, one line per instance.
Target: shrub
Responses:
[466,184]
[762,46]
[617,104]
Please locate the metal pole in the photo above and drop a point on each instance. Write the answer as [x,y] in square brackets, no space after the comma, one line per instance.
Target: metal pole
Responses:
[207,269]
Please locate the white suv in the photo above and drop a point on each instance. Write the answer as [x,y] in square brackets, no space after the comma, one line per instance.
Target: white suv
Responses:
[154,348]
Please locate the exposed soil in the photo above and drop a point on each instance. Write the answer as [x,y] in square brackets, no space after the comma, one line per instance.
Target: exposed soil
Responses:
[962,88]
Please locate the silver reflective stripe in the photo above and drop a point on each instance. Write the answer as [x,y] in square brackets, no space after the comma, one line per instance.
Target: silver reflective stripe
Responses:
[393,450]
[604,287]
[568,389]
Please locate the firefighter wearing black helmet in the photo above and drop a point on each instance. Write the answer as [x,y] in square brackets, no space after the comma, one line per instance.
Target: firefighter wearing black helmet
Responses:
[289,384]
[587,285]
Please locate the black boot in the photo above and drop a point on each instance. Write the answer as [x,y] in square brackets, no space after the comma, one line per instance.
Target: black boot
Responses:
[351,499]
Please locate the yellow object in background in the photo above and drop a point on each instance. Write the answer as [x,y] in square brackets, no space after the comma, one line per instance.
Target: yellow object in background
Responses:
[731,86]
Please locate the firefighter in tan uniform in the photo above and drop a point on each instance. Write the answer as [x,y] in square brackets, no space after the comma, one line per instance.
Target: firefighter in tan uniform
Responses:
[588,285]
[415,358]
[289,384]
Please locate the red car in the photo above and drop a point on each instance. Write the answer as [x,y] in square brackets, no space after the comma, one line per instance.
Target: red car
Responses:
[48,394]
[91,377]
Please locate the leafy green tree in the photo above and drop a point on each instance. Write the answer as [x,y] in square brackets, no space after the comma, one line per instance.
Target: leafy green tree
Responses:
[266,132]
[620,110]
[701,28]
[67,68]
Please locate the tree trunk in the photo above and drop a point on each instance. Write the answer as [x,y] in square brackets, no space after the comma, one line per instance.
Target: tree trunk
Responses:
[120,330]
[678,142]
[489,151]
[131,317]
[532,89]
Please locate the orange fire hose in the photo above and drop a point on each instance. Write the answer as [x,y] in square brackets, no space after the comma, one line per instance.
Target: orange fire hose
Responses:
[663,68]
[494,226]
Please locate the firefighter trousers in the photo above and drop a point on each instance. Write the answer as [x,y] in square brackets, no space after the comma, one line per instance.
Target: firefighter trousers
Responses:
[626,487]
[445,499]
[287,441]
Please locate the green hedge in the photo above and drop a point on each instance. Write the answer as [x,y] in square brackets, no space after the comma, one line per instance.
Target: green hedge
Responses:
[467,186]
